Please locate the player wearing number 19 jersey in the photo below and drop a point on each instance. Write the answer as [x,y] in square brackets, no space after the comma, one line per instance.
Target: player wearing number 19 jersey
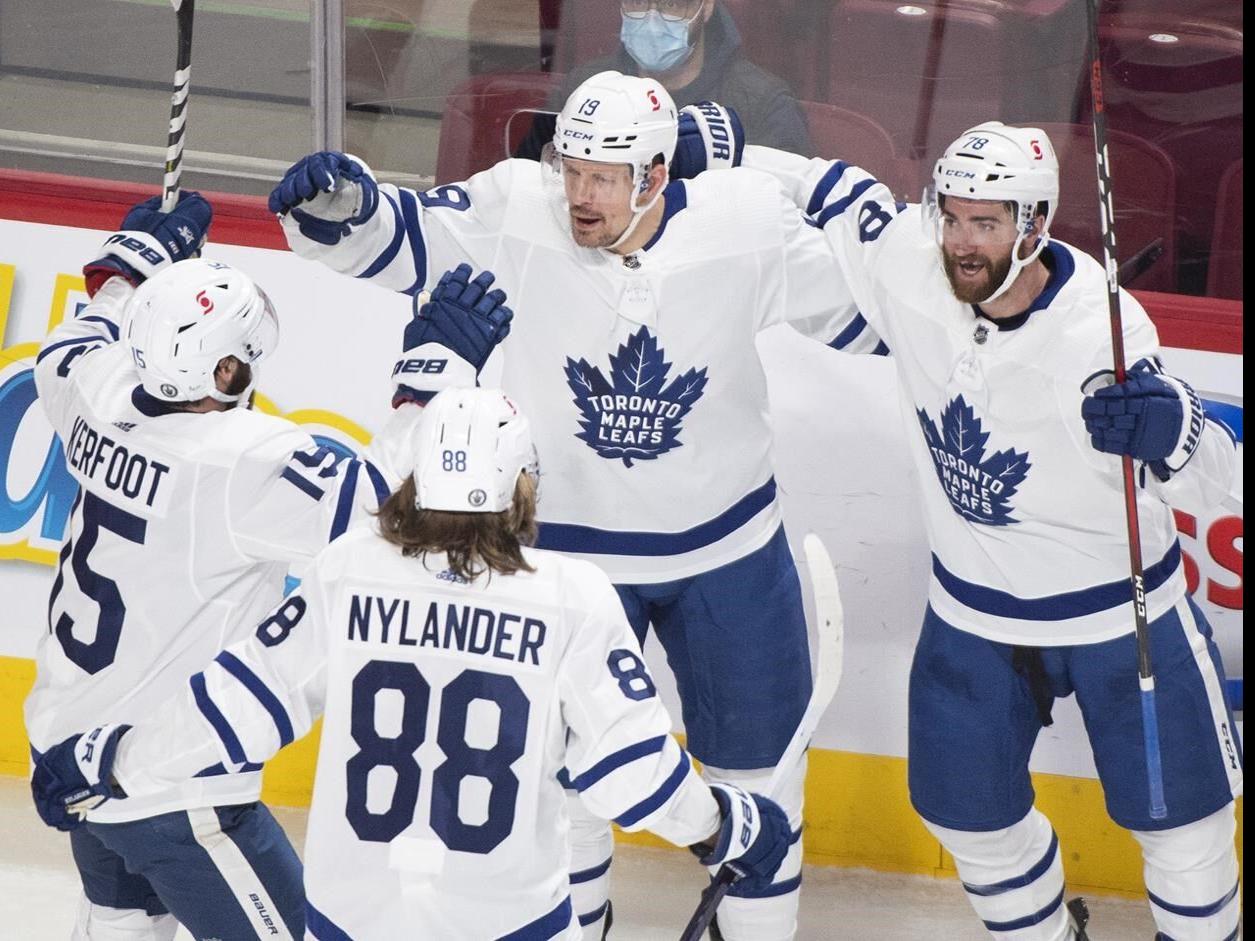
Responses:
[190,510]
[456,672]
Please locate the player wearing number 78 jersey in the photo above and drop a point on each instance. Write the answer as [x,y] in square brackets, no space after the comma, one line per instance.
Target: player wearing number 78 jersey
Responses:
[456,672]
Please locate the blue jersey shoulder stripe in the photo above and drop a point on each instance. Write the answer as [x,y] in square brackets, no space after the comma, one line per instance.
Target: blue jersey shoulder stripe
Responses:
[411,213]
[825,185]
[104,322]
[235,751]
[344,505]
[253,683]
[833,210]
[376,478]
[659,797]
[389,253]
[623,756]
[62,344]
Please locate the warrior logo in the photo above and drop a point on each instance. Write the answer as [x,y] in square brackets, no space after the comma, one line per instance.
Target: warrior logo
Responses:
[633,417]
[979,488]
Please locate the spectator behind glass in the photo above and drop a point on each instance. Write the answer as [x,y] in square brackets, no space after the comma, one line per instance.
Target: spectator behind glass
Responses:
[694,49]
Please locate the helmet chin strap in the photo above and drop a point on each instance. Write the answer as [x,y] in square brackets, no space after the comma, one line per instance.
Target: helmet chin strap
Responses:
[1018,264]
[637,215]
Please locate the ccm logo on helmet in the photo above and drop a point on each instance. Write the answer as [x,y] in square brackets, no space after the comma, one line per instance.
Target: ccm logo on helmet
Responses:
[961,174]
[419,365]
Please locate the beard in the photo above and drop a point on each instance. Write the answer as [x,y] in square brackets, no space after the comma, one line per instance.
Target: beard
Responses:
[974,291]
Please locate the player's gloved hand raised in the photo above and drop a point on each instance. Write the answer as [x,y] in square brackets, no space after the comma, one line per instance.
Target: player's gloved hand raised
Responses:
[754,834]
[150,239]
[1144,417]
[710,138]
[325,194]
[453,332]
[76,775]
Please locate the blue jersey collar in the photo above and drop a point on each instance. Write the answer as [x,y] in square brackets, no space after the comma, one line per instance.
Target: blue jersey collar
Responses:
[1059,262]
[674,198]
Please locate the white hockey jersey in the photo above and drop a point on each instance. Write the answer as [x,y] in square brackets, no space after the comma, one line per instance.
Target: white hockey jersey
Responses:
[1025,518]
[640,373]
[180,539]
[449,709]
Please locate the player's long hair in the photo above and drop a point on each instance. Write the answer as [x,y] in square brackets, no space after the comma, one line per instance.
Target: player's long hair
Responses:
[473,542]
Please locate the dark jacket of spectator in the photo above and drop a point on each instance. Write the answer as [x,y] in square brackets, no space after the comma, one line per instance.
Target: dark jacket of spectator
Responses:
[766,105]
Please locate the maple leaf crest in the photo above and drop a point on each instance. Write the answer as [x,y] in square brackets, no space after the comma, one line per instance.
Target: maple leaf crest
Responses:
[634,415]
[979,488]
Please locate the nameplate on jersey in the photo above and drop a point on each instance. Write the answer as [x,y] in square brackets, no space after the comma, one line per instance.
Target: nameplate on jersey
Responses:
[110,466]
[436,623]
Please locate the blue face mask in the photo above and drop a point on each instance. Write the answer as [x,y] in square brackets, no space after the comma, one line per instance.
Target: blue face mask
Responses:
[657,45]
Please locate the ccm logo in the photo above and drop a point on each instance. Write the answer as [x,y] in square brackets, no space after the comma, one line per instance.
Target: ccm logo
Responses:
[419,365]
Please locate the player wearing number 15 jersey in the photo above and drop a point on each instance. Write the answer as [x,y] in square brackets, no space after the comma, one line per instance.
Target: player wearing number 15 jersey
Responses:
[190,509]
[457,672]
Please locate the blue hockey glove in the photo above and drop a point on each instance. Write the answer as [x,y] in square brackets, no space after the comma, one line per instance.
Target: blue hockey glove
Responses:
[710,138]
[333,190]
[754,835]
[1145,417]
[150,239]
[75,776]
[453,332]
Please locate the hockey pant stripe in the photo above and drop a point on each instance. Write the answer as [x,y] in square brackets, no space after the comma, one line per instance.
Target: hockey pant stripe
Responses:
[545,927]
[1215,693]
[253,683]
[321,927]
[623,756]
[1028,920]
[593,872]
[659,797]
[250,892]
[1019,882]
[593,917]
[235,751]
[398,233]
[1194,911]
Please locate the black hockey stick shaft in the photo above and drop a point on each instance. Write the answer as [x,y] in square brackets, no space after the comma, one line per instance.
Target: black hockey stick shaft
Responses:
[1146,676]
[178,105]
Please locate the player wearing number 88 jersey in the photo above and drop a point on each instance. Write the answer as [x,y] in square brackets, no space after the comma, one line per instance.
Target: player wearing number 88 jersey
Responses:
[457,672]
[191,508]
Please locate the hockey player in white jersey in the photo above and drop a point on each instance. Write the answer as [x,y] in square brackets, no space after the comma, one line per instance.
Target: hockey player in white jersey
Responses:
[457,671]
[1001,338]
[191,507]
[638,303]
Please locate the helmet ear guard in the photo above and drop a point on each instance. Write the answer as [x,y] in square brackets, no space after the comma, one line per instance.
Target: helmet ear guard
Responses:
[996,162]
[181,322]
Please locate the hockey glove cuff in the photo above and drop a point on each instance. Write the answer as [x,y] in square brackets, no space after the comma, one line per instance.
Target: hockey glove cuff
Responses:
[333,191]
[423,371]
[75,776]
[150,239]
[754,835]
[710,138]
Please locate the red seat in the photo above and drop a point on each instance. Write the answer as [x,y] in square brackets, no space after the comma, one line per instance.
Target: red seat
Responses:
[842,134]
[1143,183]
[1224,270]
[479,127]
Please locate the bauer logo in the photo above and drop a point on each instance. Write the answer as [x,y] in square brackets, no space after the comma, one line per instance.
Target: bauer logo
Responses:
[979,487]
[636,414]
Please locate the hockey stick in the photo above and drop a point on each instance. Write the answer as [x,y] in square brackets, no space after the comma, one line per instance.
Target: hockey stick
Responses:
[828,661]
[178,105]
[1146,676]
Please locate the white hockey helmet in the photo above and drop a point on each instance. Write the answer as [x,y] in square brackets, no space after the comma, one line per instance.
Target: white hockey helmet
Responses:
[617,118]
[187,317]
[470,447]
[994,161]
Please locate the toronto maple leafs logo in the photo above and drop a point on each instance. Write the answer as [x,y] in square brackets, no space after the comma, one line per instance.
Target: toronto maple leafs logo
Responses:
[980,488]
[635,415]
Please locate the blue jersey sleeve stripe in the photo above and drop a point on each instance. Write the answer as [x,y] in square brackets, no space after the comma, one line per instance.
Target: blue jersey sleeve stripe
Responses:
[344,505]
[253,683]
[410,212]
[220,769]
[322,928]
[235,751]
[849,334]
[376,478]
[841,205]
[385,257]
[623,756]
[825,185]
[659,797]
[882,349]
[62,344]
[544,928]
[104,322]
